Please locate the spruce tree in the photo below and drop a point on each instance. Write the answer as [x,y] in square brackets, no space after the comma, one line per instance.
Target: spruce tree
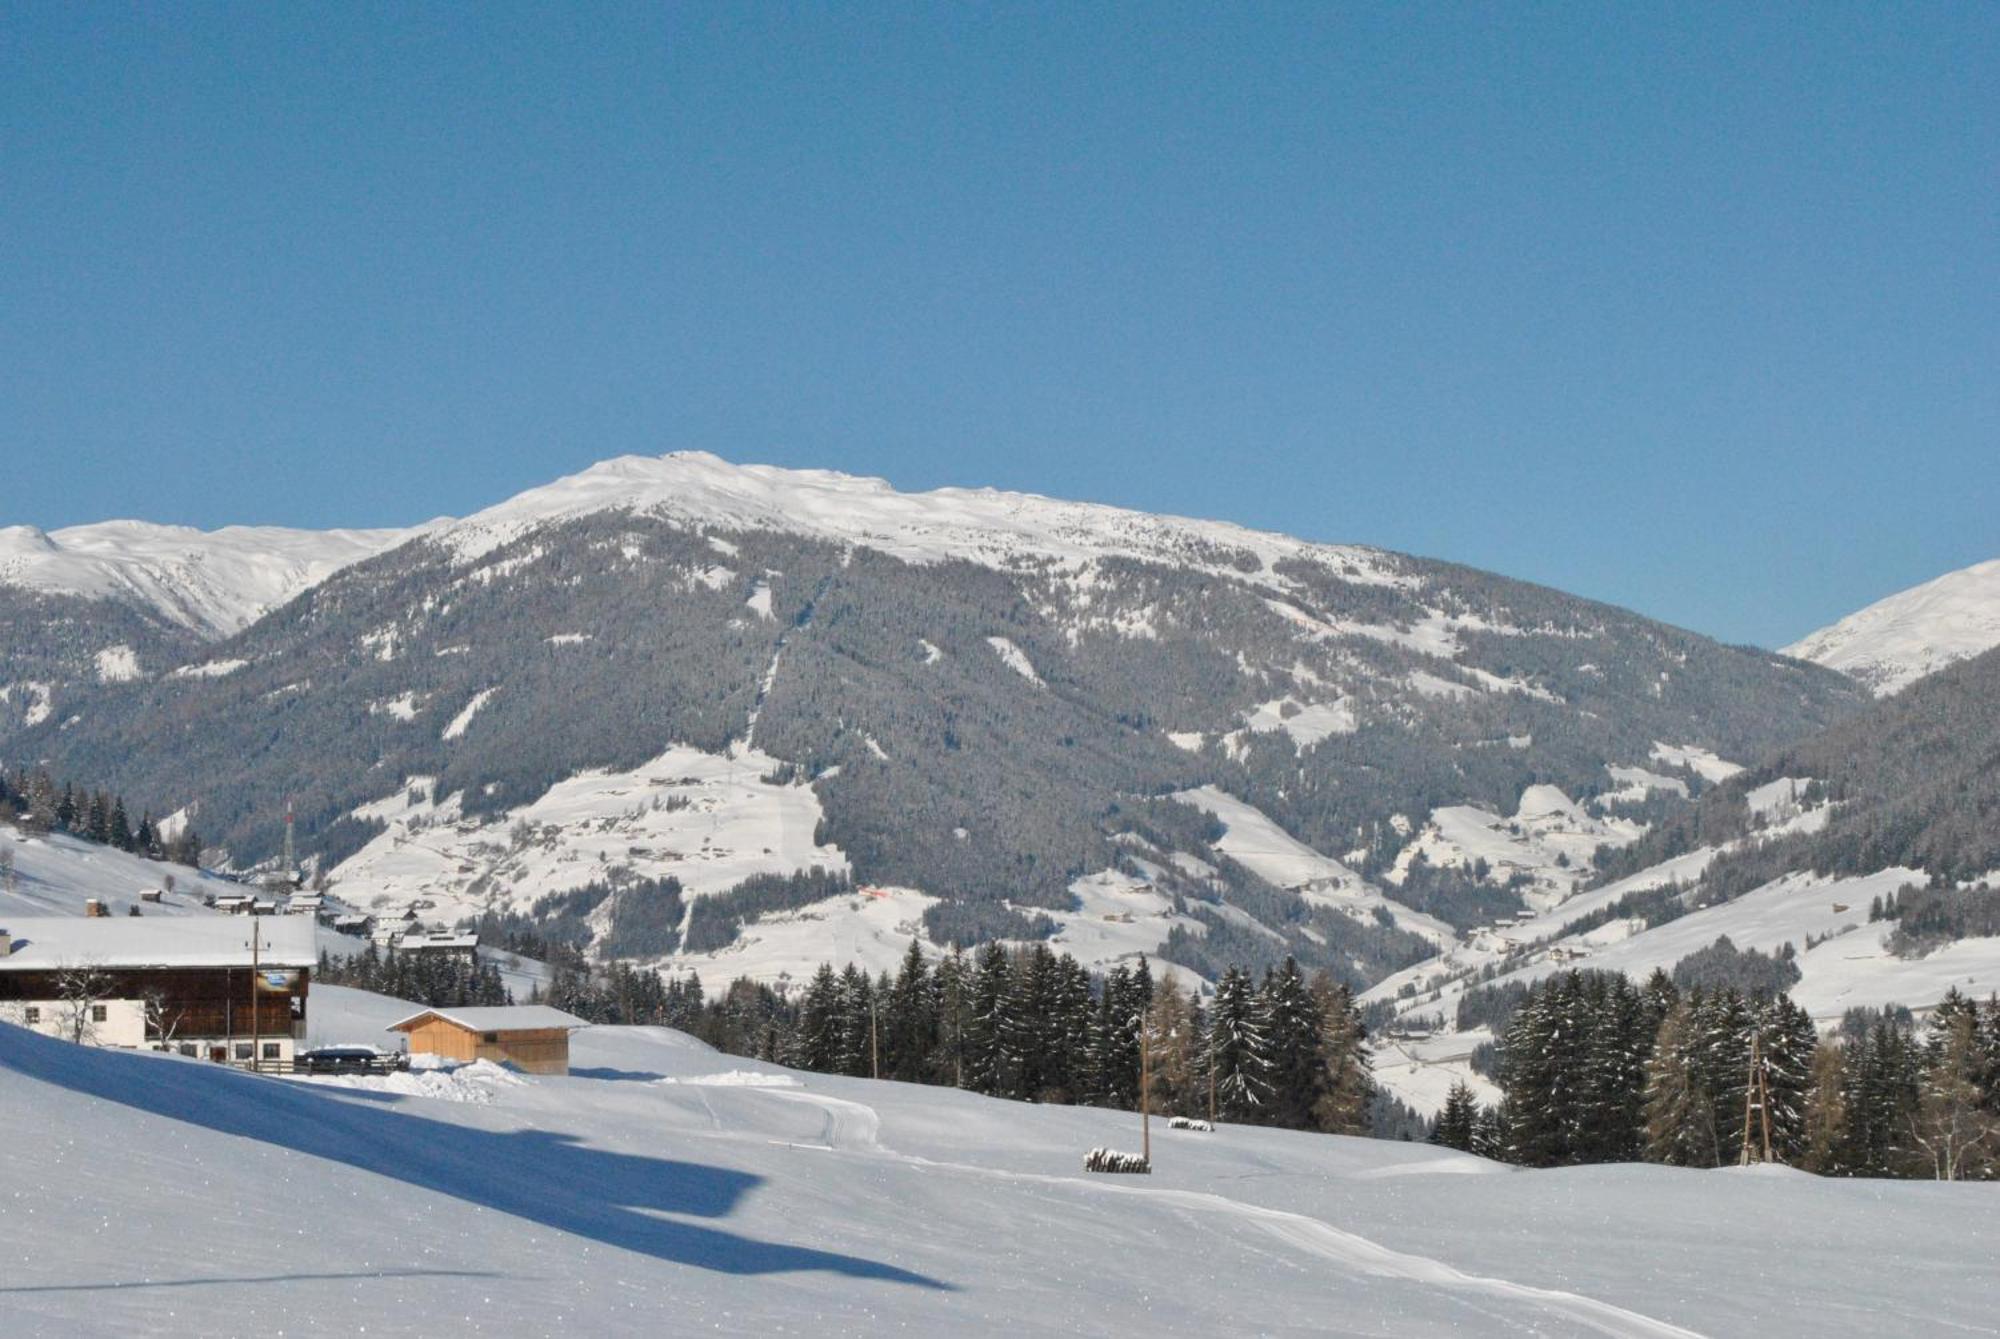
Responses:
[1457,1124]
[1236,1049]
[1289,1020]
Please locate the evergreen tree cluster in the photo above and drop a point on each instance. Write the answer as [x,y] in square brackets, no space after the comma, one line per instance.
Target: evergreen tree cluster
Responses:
[1595,1068]
[1033,1025]
[435,980]
[32,801]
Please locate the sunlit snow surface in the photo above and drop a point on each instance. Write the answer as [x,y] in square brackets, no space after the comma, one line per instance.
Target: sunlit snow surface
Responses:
[155,1196]
[1898,640]
[213,582]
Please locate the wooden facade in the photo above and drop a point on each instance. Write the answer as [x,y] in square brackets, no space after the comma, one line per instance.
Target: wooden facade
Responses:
[530,1050]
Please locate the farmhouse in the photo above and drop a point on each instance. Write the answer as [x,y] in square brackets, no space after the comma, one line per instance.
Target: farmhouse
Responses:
[533,1038]
[217,987]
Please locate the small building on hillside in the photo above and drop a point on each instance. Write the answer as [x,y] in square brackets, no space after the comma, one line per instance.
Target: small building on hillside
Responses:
[533,1038]
[216,987]
[442,944]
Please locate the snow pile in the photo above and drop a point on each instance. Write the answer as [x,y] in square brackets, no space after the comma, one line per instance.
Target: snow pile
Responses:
[477,1082]
[1896,641]
[738,1078]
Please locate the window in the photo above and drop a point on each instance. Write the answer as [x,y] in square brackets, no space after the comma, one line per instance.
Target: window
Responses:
[270,1050]
[242,1050]
[490,1038]
[98,1013]
[34,1015]
[187,1048]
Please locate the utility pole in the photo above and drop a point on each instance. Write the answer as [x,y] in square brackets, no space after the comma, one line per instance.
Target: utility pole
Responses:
[1757,1097]
[256,1012]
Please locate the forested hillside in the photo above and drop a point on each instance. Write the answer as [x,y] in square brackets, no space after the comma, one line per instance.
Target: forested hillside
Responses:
[985,697]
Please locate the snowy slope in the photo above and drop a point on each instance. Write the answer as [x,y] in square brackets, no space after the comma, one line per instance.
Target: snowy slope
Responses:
[663,1187]
[55,875]
[1898,640]
[213,582]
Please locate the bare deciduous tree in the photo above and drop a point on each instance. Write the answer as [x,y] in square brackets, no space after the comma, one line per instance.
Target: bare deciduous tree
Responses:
[81,987]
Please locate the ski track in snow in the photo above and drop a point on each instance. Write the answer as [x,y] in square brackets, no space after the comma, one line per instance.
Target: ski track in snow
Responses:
[855,1127]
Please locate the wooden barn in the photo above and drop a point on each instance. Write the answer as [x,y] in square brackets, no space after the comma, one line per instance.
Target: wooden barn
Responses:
[533,1038]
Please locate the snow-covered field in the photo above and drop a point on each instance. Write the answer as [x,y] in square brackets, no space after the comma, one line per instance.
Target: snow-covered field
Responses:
[54,875]
[664,1188]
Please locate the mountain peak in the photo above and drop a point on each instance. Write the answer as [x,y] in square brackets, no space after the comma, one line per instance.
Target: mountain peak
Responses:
[1898,640]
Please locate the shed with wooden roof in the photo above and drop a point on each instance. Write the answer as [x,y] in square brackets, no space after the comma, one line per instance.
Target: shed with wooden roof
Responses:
[533,1038]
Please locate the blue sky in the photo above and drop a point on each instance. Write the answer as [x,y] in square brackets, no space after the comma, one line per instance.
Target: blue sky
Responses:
[1691,308]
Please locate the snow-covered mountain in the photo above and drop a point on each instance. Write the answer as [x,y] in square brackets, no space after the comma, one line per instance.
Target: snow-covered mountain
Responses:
[979,525]
[662,1185]
[692,683]
[211,582]
[1898,640]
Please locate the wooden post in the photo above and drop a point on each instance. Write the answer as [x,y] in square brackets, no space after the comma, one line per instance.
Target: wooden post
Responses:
[1145,1091]
[1211,1077]
[874,1042]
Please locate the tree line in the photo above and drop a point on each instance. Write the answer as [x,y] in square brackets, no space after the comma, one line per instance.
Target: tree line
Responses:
[1027,1023]
[1595,1068]
[434,980]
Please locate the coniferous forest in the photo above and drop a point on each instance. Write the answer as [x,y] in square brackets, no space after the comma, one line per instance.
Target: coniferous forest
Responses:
[1595,1068]
[1031,1024]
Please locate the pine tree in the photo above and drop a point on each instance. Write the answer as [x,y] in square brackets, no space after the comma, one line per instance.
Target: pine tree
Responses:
[1289,1020]
[951,991]
[1882,1100]
[817,1040]
[1531,1076]
[909,1023]
[1457,1125]
[1236,1049]
[988,1066]
[1785,1044]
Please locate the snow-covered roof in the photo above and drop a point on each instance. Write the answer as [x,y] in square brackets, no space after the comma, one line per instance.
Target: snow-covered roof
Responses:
[42,943]
[495,1018]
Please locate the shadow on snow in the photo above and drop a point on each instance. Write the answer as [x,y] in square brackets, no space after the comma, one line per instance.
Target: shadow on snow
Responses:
[537,1175]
